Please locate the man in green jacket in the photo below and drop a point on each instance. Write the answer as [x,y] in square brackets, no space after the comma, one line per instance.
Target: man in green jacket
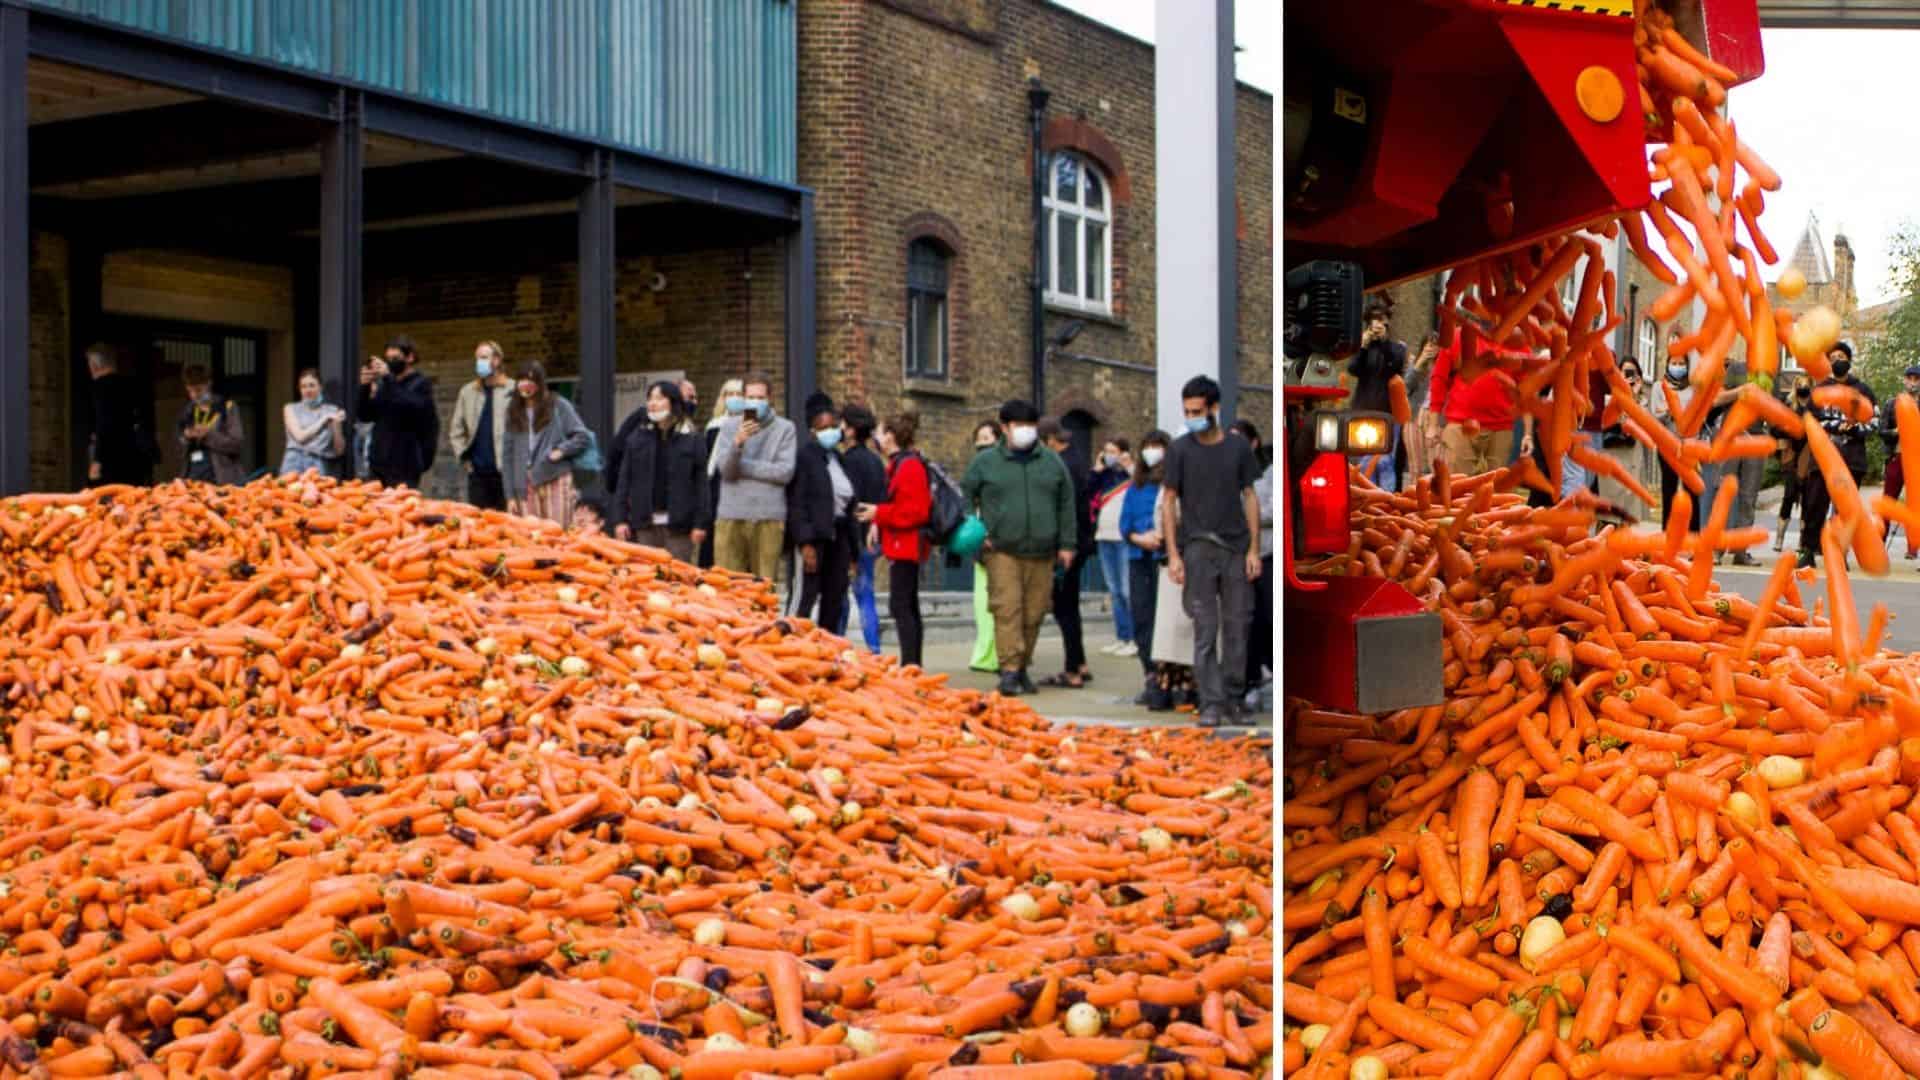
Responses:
[1024,495]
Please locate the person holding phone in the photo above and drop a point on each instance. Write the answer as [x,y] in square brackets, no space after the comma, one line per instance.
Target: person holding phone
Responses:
[754,454]
[398,399]
[1373,369]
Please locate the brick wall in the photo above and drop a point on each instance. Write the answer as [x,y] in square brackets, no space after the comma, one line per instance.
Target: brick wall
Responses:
[50,364]
[708,318]
[915,111]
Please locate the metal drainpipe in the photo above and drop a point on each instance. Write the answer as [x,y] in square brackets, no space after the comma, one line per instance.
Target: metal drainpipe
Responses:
[1037,96]
[1633,323]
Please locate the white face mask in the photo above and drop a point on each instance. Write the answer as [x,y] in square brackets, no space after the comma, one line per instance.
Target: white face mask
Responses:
[1023,438]
[1152,455]
[659,415]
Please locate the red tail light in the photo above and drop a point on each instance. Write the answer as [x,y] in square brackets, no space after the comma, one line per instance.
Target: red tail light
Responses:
[1324,501]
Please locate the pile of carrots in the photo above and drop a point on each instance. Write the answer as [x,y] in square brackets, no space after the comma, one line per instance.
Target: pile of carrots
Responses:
[307,779]
[1655,829]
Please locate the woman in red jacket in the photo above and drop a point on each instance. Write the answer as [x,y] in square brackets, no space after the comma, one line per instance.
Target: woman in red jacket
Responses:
[899,521]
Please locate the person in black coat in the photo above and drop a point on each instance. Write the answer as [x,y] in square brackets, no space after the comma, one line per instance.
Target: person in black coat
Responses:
[819,519]
[657,472]
[122,446]
[1373,369]
[1849,437]
[398,399]
[1066,582]
[868,471]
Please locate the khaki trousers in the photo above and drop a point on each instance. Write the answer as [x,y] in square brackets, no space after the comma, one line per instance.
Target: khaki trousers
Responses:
[1472,454]
[1020,592]
[751,547]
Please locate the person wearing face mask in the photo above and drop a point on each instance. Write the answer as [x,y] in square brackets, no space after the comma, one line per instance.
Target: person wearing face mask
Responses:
[1066,580]
[1146,555]
[986,436]
[1790,452]
[898,520]
[868,471]
[1668,407]
[689,398]
[316,430]
[544,435]
[398,400]
[1373,369]
[1024,496]
[210,433]
[658,477]
[754,452]
[819,519]
[1208,502]
[479,427]
[1849,437]
[1110,484]
[729,390]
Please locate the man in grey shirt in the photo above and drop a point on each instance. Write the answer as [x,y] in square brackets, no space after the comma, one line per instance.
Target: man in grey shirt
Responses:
[1210,508]
[754,455]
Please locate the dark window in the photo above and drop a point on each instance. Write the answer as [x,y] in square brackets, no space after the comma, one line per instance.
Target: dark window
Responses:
[926,311]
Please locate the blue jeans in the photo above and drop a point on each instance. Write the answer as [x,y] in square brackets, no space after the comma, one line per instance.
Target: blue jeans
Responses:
[1384,474]
[863,598]
[1113,567]
[1573,475]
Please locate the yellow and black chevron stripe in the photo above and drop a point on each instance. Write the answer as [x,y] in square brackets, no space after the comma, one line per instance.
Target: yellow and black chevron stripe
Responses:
[1622,8]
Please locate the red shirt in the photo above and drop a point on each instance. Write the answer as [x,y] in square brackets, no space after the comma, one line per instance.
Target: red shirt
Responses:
[909,502]
[1486,400]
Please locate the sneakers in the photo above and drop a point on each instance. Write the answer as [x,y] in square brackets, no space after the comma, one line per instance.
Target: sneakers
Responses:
[1159,699]
[1214,716]
[1114,648]
[1128,648]
[1806,560]
[1026,684]
[1010,684]
[1741,558]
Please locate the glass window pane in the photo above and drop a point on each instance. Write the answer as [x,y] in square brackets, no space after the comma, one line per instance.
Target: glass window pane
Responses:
[926,267]
[1066,178]
[926,335]
[1066,254]
[1096,189]
[1096,268]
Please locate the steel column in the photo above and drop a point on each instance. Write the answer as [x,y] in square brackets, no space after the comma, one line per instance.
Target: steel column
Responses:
[594,399]
[15,414]
[802,362]
[84,259]
[341,159]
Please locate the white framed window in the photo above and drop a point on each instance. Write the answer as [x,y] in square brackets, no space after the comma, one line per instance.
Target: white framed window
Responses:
[926,311]
[1570,289]
[1079,224]
[1644,346]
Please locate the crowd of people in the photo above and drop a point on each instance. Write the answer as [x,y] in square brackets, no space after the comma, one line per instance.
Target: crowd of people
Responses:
[1467,414]
[1180,531]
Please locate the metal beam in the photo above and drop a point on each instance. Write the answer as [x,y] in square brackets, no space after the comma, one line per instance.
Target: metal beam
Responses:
[596,267]
[340,266]
[156,60]
[477,135]
[16,417]
[705,186]
[83,329]
[157,140]
[802,362]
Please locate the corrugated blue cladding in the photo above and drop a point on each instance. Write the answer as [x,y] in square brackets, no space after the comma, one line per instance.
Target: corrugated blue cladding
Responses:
[708,81]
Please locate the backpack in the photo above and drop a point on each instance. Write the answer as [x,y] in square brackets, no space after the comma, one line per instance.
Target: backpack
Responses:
[946,507]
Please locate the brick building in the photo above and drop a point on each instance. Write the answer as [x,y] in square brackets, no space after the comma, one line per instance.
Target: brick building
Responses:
[881,196]
[914,136]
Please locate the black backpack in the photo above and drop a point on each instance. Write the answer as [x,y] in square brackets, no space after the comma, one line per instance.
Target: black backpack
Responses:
[947,507]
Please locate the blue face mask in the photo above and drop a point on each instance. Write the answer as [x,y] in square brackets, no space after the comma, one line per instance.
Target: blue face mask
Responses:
[736,404]
[483,368]
[828,437]
[759,409]
[1197,425]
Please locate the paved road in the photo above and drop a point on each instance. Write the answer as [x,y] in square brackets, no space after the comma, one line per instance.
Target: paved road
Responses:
[1900,591]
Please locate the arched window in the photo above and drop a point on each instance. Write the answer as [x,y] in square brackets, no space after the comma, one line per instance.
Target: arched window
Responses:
[926,310]
[1644,348]
[1079,223]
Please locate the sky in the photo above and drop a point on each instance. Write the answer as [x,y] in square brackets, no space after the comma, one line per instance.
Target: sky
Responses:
[1833,116]
[1256,30]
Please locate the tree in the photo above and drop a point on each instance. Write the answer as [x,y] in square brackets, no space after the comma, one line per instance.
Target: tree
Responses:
[1882,359]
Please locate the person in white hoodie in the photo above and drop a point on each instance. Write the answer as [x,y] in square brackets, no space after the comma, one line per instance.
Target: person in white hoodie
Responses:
[731,388]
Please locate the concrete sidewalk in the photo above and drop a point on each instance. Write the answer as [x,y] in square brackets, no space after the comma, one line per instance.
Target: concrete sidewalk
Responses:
[1767,515]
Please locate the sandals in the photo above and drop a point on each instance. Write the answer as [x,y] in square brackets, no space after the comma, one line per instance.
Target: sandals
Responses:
[1064,681]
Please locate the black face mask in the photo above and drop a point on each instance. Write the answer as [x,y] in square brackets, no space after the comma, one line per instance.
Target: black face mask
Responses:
[1842,368]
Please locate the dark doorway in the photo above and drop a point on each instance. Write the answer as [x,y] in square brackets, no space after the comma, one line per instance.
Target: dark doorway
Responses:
[1080,424]
[156,352]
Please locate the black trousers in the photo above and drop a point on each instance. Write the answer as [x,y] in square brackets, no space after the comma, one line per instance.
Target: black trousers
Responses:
[903,603]
[487,491]
[1815,505]
[1066,612]
[1260,643]
[1143,596]
[826,587]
